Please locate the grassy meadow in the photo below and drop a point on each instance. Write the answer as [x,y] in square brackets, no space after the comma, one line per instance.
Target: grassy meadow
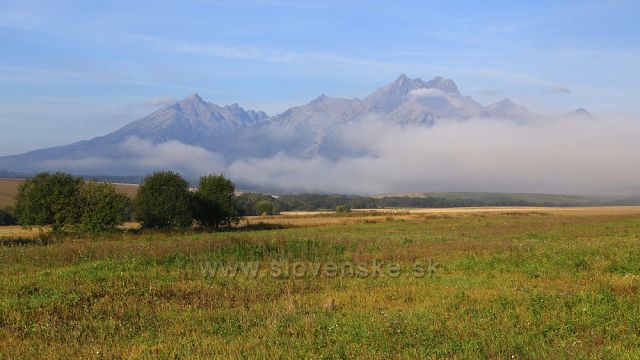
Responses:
[494,284]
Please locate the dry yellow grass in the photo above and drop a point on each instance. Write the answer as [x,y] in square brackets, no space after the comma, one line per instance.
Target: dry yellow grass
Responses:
[32,232]
[308,218]
[589,210]
[19,231]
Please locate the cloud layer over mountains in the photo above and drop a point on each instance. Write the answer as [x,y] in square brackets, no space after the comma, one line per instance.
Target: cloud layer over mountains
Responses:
[410,135]
[569,156]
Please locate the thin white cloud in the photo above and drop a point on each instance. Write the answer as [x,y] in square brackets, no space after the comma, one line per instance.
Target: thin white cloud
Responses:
[427,92]
[39,75]
[161,101]
[253,53]
[140,156]
[78,165]
[173,154]
[151,103]
[557,89]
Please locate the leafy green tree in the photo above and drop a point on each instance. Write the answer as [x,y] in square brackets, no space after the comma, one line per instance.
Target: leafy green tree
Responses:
[266,207]
[50,199]
[163,201]
[7,218]
[103,208]
[343,209]
[216,201]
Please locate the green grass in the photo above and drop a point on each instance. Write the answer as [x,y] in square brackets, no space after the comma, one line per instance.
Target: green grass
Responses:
[529,286]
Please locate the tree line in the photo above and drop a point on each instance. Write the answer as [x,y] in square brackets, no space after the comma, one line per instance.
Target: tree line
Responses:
[257,204]
[163,201]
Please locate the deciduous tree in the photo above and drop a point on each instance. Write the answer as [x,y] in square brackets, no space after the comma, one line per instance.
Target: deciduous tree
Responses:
[163,201]
[50,199]
[216,199]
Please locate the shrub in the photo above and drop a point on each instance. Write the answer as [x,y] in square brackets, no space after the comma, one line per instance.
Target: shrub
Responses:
[343,209]
[103,208]
[49,199]
[266,207]
[163,201]
[7,218]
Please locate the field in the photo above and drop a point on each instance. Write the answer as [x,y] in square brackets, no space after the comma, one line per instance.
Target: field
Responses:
[533,199]
[493,284]
[9,190]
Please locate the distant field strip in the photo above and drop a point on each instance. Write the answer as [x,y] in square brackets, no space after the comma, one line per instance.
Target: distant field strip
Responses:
[359,216]
[9,190]
[314,219]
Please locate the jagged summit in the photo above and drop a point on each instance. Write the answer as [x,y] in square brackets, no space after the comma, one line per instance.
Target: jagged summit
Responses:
[319,99]
[446,85]
[403,85]
[234,107]
[505,102]
[193,98]
[392,95]
[581,112]
[506,109]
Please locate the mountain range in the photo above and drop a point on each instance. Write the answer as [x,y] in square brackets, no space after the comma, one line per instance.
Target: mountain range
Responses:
[231,132]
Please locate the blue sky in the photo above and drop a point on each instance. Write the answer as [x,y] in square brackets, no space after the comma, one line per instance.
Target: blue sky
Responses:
[71,70]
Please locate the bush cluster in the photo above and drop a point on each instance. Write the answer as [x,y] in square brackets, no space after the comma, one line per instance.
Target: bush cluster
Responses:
[164,201]
[69,203]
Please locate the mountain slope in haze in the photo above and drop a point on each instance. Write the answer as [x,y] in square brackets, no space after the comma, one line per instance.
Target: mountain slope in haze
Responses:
[195,128]
[191,121]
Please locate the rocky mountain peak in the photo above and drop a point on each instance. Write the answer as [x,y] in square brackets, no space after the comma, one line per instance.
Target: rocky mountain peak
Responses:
[234,107]
[580,113]
[504,103]
[320,99]
[442,84]
[193,98]
[392,95]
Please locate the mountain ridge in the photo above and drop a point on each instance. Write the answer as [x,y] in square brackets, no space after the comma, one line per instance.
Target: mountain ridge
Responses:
[300,131]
